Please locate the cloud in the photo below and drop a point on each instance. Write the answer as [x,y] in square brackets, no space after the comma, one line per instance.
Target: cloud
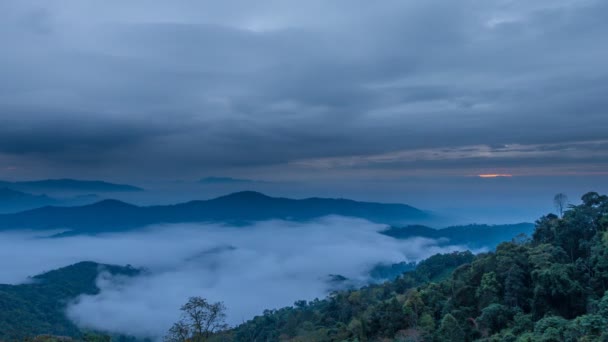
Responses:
[225,180]
[267,265]
[200,87]
[494,175]
[589,157]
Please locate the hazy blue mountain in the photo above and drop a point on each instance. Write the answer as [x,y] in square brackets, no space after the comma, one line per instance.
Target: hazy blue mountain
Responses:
[13,201]
[77,200]
[68,185]
[473,235]
[246,206]
[38,307]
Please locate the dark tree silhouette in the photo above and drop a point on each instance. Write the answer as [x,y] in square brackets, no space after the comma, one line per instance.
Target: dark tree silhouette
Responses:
[200,319]
[560,201]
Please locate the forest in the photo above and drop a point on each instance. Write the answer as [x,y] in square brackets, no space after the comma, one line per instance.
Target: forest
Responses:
[547,287]
[37,308]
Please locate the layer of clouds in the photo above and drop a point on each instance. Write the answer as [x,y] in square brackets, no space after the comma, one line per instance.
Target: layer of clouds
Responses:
[199,87]
[523,160]
[267,265]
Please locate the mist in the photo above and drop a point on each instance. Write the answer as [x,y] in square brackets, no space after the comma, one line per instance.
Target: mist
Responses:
[262,266]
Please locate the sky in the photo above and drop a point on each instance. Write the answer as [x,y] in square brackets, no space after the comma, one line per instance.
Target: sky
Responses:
[406,101]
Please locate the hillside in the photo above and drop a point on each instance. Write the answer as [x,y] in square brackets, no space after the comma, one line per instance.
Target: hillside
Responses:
[473,235]
[112,215]
[38,307]
[551,287]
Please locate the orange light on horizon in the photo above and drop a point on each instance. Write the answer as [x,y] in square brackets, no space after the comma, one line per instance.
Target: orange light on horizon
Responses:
[494,175]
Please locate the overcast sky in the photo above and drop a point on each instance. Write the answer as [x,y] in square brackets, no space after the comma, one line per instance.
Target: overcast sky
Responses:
[303,91]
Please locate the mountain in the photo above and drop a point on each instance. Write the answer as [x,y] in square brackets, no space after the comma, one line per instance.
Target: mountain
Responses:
[473,235]
[246,206]
[13,201]
[552,287]
[38,307]
[68,185]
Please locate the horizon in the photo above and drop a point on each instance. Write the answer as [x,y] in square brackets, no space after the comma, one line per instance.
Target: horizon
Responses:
[501,106]
[499,210]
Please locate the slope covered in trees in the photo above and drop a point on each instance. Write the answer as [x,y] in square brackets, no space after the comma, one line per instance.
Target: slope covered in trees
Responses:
[551,287]
[38,307]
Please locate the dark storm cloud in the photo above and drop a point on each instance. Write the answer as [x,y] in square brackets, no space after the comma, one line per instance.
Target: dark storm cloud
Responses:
[200,86]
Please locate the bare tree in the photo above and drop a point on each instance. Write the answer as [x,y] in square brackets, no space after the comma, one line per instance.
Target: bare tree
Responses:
[200,319]
[179,332]
[560,201]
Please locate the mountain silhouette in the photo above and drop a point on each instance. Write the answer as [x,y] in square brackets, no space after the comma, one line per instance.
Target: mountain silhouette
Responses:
[13,200]
[472,235]
[246,206]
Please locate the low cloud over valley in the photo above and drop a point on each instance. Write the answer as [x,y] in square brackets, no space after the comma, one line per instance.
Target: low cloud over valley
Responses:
[251,268]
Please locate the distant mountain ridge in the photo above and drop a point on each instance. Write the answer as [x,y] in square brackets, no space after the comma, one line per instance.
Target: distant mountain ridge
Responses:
[69,185]
[472,235]
[13,200]
[245,206]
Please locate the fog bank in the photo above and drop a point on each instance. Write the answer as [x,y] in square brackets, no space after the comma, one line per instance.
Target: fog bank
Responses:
[266,265]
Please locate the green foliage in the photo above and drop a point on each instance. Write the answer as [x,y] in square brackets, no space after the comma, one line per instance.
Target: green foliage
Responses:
[548,288]
[38,307]
[494,318]
[450,329]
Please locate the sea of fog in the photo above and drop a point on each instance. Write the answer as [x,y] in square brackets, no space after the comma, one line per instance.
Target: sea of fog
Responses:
[262,266]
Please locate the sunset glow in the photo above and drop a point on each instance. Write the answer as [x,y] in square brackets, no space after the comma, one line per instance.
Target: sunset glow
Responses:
[494,175]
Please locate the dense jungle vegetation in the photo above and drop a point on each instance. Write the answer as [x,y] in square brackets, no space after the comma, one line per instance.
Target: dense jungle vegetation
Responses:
[38,307]
[549,287]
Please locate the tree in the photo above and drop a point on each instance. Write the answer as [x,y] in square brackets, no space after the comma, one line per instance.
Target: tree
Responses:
[560,201]
[488,290]
[557,289]
[450,330]
[427,326]
[179,332]
[200,319]
[494,318]
[515,287]
[413,308]
[550,329]
[91,337]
